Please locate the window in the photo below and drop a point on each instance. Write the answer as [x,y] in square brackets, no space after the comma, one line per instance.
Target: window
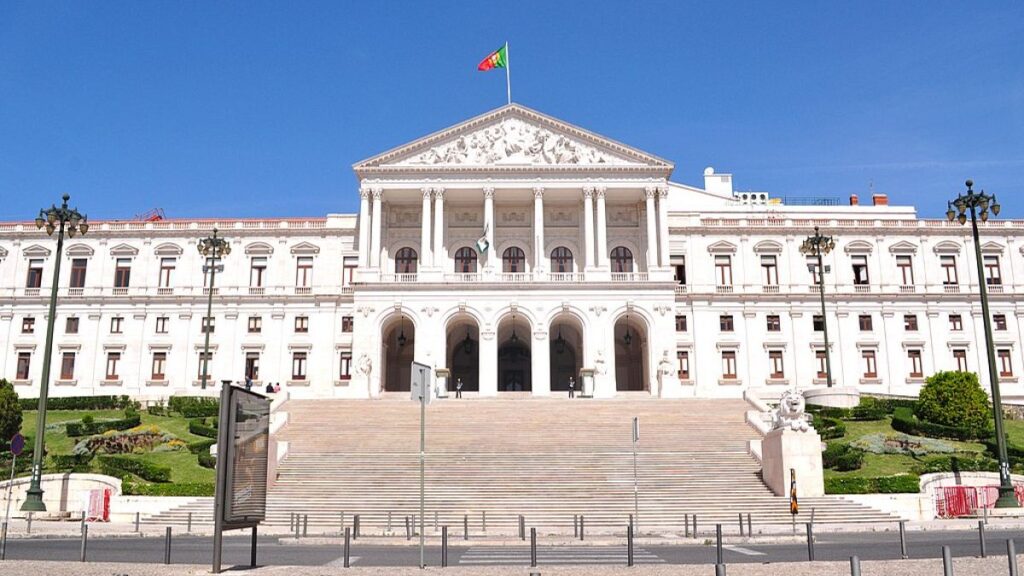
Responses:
[113,362]
[304,271]
[905,266]
[35,274]
[870,369]
[865,322]
[302,324]
[680,323]
[729,365]
[910,322]
[960,359]
[513,260]
[723,270]
[860,270]
[683,359]
[948,263]
[159,366]
[166,270]
[812,267]
[561,260]
[78,268]
[622,259]
[255,324]
[161,324]
[67,366]
[1005,364]
[347,323]
[405,261]
[24,363]
[252,365]
[679,269]
[257,271]
[993,276]
[28,325]
[209,325]
[773,323]
[299,366]
[122,272]
[345,368]
[348,273]
[71,325]
[775,365]
[999,321]
[916,366]
[117,325]
[205,359]
[725,323]
[465,260]
[769,270]
[956,323]
[822,362]
[819,323]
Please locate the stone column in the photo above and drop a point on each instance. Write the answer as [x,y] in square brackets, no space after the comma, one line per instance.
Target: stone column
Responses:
[439,252]
[652,228]
[602,230]
[489,226]
[376,232]
[663,226]
[488,362]
[364,227]
[588,227]
[425,258]
[540,368]
[538,229]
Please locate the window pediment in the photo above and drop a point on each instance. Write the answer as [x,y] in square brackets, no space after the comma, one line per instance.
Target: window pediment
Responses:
[305,249]
[992,248]
[124,250]
[259,249]
[722,247]
[36,251]
[3,252]
[168,249]
[768,247]
[947,247]
[859,247]
[903,247]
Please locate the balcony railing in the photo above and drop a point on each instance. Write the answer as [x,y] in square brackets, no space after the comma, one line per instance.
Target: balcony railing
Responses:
[164,291]
[568,277]
[951,288]
[908,289]
[257,291]
[515,277]
[629,276]
[76,292]
[403,278]
[463,277]
[862,288]
[303,290]
[120,291]
[770,288]
[724,289]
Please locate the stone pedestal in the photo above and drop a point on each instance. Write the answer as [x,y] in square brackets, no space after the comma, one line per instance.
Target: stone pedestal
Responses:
[835,397]
[783,450]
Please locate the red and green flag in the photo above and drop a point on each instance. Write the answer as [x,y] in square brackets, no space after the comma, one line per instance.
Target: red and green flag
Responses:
[496,59]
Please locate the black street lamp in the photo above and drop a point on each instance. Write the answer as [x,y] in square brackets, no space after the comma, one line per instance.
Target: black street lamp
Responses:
[61,220]
[978,205]
[213,248]
[818,246]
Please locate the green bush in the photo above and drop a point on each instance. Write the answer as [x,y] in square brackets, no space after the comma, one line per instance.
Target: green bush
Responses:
[182,489]
[79,403]
[139,468]
[207,460]
[902,484]
[963,463]
[954,399]
[842,457]
[83,428]
[200,446]
[904,421]
[199,429]
[194,406]
[71,462]
[829,428]
[10,412]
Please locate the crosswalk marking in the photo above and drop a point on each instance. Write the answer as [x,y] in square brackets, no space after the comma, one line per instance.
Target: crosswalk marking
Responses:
[482,555]
[742,550]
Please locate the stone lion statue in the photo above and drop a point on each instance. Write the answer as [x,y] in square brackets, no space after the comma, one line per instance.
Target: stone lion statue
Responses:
[791,412]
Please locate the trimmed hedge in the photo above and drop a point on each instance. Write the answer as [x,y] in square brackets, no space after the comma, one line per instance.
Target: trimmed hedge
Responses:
[183,489]
[199,429]
[79,403]
[973,463]
[207,460]
[194,406]
[903,420]
[71,462]
[902,484]
[829,428]
[84,428]
[842,457]
[200,446]
[140,468]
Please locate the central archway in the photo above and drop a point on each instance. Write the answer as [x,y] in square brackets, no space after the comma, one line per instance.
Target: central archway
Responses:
[632,349]
[566,351]
[398,347]
[462,352]
[514,357]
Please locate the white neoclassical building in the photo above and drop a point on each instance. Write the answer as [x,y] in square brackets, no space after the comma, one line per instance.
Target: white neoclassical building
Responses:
[516,251]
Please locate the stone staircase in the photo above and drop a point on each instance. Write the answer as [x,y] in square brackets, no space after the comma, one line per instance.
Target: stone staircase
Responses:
[547,459]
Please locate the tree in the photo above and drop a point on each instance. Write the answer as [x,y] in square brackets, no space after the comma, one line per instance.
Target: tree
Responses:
[10,412]
[954,399]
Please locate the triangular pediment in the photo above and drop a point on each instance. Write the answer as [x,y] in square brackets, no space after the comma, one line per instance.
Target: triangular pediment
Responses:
[903,247]
[513,137]
[305,249]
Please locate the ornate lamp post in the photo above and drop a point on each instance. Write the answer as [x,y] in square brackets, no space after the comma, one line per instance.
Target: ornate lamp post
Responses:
[61,220]
[213,248]
[818,246]
[978,205]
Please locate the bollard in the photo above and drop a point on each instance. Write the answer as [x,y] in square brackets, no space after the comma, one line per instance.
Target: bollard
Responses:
[3,541]
[810,542]
[522,527]
[947,562]
[719,569]
[694,525]
[854,566]
[295,529]
[435,520]
[136,521]
[686,525]
[407,535]
[188,527]
[29,529]
[341,522]
[81,525]
[741,524]
[291,521]
[581,528]
[750,527]
[305,525]
[415,525]
[348,546]
[85,540]
[533,547]
[981,537]
[444,546]
[355,526]
[1011,555]
[575,526]
[903,540]
[388,529]
[630,519]
[483,520]
[465,526]
[167,546]
[718,545]
[252,548]
[629,545]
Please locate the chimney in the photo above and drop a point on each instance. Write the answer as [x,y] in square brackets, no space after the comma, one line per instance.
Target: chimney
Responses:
[854,201]
[717,183]
[880,199]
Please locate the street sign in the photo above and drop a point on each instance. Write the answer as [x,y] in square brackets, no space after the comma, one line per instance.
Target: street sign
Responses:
[17,444]
[419,386]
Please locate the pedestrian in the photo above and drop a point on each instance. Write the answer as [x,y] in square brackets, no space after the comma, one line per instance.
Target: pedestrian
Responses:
[277,386]
[270,388]
[458,387]
[248,383]
[572,387]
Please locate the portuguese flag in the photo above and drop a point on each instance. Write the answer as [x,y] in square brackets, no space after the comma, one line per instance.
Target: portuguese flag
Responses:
[496,59]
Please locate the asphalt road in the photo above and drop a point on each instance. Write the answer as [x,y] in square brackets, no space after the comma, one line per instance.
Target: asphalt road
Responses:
[199,550]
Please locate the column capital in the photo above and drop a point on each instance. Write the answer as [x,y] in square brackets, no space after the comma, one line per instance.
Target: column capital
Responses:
[364,192]
[599,192]
[377,193]
[650,192]
[489,192]
[438,193]
[538,192]
[663,191]
[427,191]
[588,191]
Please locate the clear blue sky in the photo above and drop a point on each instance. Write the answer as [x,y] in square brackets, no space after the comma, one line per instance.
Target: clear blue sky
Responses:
[256,109]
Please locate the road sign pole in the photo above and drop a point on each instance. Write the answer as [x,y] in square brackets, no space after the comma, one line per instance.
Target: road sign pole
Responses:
[636,486]
[17,445]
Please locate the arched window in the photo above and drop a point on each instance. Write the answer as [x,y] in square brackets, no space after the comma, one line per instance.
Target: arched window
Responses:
[405,261]
[622,259]
[465,260]
[561,260]
[513,260]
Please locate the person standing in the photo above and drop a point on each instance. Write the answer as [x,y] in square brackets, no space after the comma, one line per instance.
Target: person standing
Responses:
[572,387]
[248,383]
[458,387]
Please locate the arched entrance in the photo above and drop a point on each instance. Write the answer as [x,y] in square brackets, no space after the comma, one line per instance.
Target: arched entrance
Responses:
[632,371]
[462,352]
[398,347]
[514,367]
[566,351]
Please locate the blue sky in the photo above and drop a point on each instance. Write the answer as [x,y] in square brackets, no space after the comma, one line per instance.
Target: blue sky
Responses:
[254,109]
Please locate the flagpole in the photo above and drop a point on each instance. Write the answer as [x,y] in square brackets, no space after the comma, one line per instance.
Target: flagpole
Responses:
[508,76]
